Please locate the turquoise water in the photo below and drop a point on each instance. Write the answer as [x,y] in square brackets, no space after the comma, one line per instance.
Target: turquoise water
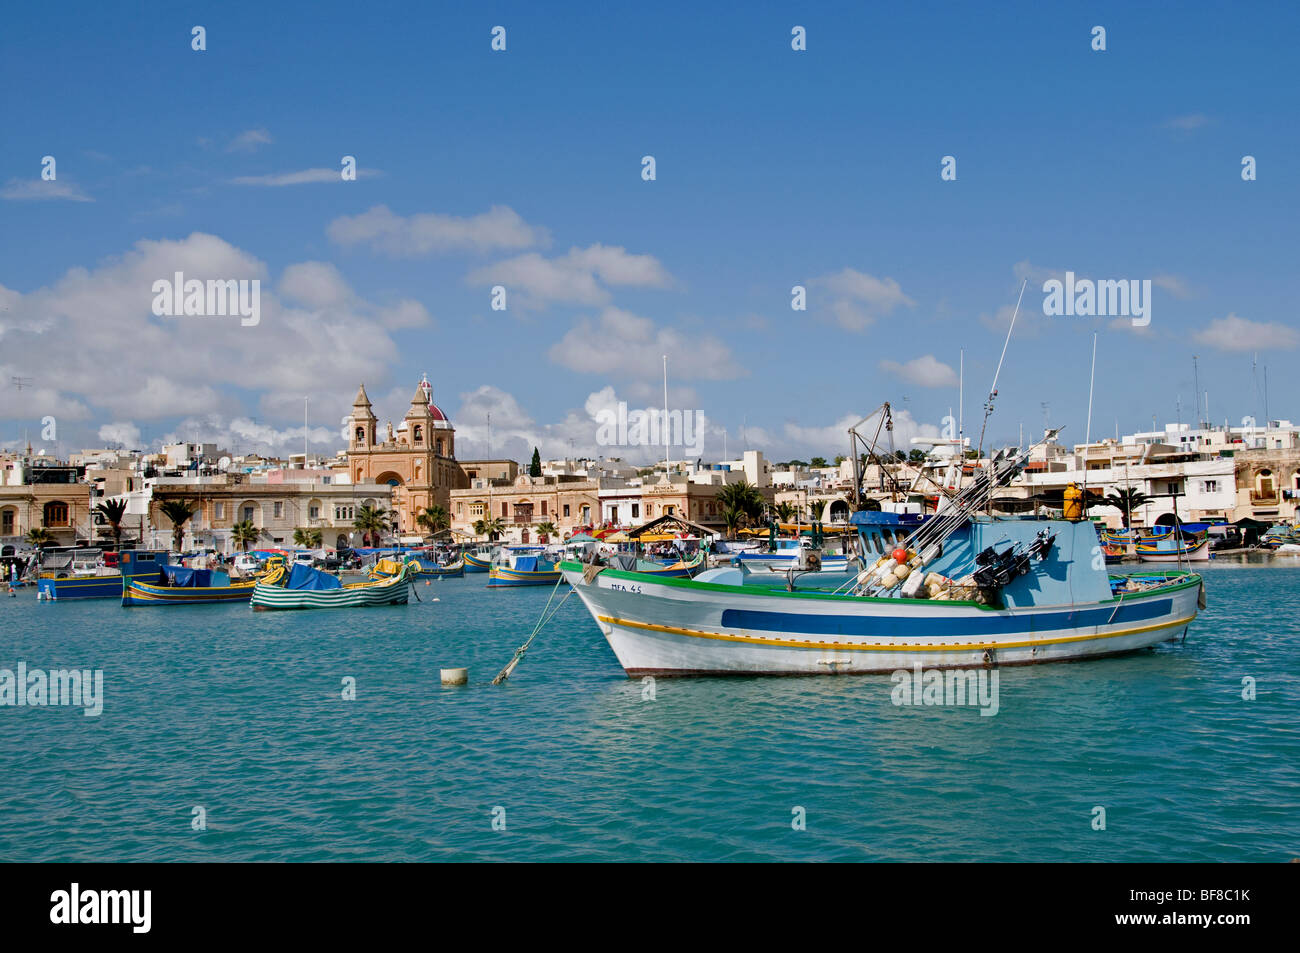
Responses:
[240,713]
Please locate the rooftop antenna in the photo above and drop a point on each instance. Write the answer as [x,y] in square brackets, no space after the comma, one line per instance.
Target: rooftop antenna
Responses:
[21,382]
[993,391]
[491,446]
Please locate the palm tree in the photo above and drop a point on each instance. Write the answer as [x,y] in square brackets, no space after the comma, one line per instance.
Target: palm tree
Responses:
[785,512]
[308,538]
[1126,501]
[434,518]
[113,511]
[245,534]
[373,522]
[731,519]
[545,531]
[492,527]
[40,538]
[744,498]
[178,511]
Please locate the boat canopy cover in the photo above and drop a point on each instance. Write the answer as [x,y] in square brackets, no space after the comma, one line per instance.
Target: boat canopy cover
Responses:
[882,518]
[526,564]
[187,578]
[304,577]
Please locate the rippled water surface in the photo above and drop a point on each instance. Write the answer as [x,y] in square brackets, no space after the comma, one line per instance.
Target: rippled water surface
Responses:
[240,713]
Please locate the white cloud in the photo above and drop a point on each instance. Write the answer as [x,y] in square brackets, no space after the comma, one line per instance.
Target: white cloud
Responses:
[1187,123]
[249,140]
[301,177]
[924,371]
[857,299]
[312,335]
[500,228]
[1240,334]
[619,343]
[1175,285]
[316,284]
[533,281]
[126,434]
[20,190]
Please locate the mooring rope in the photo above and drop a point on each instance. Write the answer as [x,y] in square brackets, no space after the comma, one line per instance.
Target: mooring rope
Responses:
[541,623]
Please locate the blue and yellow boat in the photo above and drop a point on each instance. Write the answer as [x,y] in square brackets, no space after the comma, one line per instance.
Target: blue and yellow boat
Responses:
[523,566]
[185,587]
[82,579]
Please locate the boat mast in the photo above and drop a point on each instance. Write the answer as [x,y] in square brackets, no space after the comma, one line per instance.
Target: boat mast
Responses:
[1087,437]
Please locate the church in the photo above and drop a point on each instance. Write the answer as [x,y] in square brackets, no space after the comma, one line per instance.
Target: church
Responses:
[418,459]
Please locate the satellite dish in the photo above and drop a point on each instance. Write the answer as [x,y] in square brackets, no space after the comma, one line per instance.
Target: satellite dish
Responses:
[223,463]
[40,453]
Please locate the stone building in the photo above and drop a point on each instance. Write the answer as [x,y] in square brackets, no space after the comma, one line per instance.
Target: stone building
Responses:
[417,459]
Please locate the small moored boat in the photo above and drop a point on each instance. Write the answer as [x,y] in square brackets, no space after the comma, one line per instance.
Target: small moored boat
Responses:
[185,587]
[302,587]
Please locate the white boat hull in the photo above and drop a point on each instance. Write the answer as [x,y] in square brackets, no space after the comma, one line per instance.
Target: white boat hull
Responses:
[662,628]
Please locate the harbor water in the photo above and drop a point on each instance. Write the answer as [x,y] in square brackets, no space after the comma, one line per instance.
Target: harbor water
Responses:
[242,714]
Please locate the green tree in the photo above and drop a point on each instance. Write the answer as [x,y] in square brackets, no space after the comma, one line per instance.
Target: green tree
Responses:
[39,537]
[535,468]
[785,512]
[916,456]
[177,511]
[1126,500]
[744,498]
[308,538]
[434,518]
[244,534]
[372,522]
[113,511]
[840,458]
[491,527]
[731,520]
[546,530]
[818,461]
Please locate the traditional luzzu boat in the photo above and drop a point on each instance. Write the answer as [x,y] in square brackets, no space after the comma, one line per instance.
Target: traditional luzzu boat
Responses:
[302,587]
[1171,549]
[84,578]
[433,569]
[523,566]
[973,591]
[185,587]
[478,561]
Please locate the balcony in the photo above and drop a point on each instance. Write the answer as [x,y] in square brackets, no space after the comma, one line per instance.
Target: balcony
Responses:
[1263,497]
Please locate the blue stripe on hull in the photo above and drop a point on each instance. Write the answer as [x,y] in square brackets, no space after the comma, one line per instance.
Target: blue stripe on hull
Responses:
[896,626]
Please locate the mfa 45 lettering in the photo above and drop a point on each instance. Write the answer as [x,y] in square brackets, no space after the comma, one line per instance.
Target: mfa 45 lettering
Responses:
[622,588]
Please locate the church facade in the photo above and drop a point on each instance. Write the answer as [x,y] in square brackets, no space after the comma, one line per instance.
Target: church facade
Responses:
[417,459]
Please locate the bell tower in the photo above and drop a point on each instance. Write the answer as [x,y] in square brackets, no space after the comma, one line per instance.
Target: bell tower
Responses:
[364,423]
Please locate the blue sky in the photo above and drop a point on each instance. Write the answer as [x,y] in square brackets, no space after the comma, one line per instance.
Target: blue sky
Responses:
[774,168]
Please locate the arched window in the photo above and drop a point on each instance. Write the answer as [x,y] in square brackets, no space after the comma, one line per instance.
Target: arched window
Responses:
[361,435]
[1265,481]
[438,444]
[417,434]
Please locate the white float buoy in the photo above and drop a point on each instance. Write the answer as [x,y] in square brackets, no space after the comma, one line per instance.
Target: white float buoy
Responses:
[455,676]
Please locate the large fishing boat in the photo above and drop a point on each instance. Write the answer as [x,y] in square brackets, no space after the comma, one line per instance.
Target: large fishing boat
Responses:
[302,587]
[969,591]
